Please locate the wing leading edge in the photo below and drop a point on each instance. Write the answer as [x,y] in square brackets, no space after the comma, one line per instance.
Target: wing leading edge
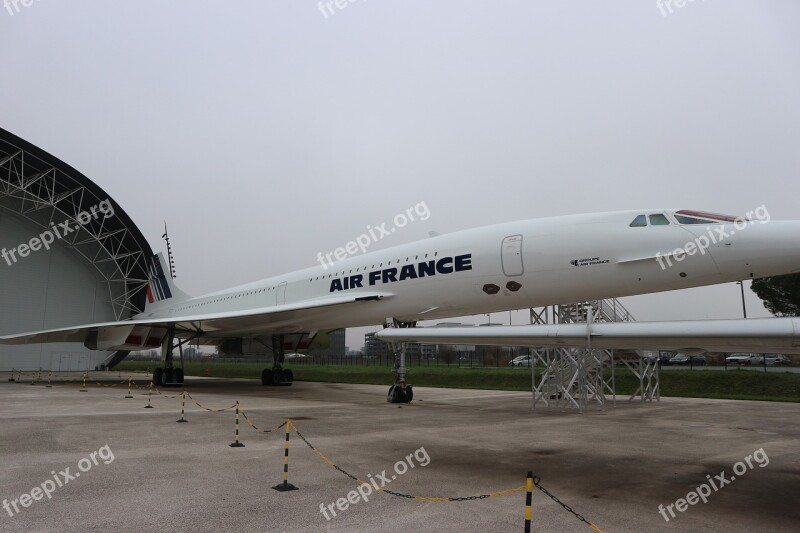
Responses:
[759,335]
[134,334]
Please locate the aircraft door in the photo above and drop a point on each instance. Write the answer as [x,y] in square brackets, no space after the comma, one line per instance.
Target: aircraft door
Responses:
[280,294]
[511,255]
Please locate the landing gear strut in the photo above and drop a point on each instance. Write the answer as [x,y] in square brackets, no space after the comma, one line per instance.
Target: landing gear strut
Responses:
[277,375]
[400,391]
[169,376]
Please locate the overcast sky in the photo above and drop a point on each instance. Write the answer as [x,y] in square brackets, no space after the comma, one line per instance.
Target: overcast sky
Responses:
[264,132]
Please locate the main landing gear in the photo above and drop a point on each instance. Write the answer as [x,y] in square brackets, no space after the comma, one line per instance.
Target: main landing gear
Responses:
[169,376]
[277,375]
[400,391]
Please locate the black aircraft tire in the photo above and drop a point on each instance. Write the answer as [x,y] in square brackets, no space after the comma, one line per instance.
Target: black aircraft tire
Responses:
[288,377]
[400,395]
[396,394]
[179,376]
[158,377]
[277,377]
[266,377]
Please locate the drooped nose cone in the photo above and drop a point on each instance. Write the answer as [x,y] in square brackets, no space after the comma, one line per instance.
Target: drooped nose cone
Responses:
[758,248]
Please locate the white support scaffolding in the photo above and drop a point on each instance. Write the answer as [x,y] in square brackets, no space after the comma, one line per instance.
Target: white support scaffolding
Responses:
[582,378]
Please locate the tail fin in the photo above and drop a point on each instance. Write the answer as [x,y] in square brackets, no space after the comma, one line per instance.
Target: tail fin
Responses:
[161,291]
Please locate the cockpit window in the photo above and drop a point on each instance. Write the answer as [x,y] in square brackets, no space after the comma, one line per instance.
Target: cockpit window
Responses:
[659,220]
[686,216]
[692,220]
[639,222]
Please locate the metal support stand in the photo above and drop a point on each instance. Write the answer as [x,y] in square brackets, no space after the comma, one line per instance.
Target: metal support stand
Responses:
[285,486]
[648,375]
[574,378]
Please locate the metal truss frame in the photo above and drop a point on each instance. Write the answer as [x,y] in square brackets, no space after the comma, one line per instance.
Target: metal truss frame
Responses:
[573,378]
[48,196]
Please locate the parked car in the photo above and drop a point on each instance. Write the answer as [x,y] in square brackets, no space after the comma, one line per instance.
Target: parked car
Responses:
[744,359]
[679,359]
[683,359]
[664,357]
[522,360]
[777,359]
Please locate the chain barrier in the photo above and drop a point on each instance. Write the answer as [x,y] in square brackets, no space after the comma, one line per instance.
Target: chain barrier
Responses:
[322,456]
[149,396]
[568,508]
[183,408]
[198,404]
[326,460]
[110,384]
[260,430]
[167,396]
[80,380]
[497,493]
[286,486]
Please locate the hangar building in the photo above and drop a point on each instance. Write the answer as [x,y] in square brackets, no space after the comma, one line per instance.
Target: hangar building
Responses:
[69,255]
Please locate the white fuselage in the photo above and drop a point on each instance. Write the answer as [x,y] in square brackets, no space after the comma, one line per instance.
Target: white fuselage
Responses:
[516,265]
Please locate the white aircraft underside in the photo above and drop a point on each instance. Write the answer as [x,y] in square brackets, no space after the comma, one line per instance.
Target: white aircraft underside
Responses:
[496,268]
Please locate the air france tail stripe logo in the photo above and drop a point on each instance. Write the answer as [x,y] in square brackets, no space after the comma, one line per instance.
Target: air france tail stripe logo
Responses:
[158,288]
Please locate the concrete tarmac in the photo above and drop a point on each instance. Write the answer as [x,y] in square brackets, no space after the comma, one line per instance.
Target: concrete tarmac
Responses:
[614,468]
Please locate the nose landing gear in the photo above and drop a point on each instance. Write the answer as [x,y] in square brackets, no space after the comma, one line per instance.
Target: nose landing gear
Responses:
[400,391]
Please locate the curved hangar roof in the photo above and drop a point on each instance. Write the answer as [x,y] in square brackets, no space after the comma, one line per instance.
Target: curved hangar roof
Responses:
[47,192]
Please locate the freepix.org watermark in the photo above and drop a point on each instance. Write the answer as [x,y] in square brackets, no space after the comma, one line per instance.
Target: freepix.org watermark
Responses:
[667,7]
[60,479]
[703,491]
[13,6]
[714,234]
[57,231]
[375,483]
[330,7]
[374,234]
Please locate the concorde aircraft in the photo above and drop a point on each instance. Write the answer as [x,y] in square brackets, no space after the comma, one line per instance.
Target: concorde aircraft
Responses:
[509,266]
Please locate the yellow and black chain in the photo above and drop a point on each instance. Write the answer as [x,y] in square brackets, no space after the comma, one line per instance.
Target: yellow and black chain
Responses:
[249,423]
[568,508]
[209,409]
[166,396]
[110,384]
[355,478]
[400,494]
